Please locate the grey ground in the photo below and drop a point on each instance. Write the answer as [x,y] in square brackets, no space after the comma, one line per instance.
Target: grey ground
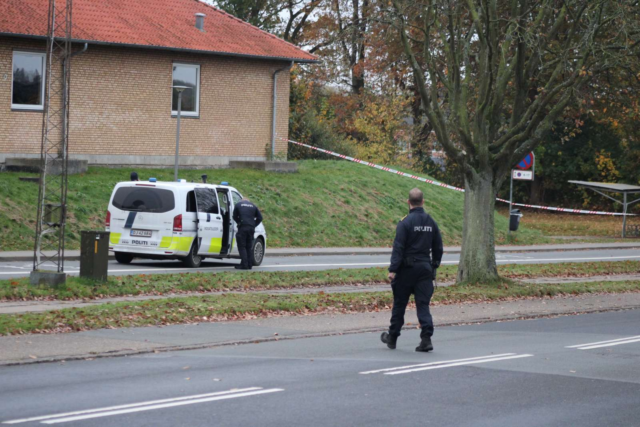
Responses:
[314,363]
[322,384]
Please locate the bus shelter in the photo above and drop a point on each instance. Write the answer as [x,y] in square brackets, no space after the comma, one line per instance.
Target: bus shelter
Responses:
[604,189]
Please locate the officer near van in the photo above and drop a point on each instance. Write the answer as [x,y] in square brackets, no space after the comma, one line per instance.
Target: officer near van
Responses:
[248,217]
[417,253]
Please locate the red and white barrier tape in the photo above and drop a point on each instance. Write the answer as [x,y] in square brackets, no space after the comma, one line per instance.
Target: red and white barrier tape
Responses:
[450,187]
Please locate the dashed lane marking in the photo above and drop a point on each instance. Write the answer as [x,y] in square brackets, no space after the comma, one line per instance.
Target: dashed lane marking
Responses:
[145,406]
[447,364]
[609,343]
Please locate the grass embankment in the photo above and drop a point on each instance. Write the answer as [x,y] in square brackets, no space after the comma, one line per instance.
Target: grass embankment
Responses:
[213,308]
[596,228]
[326,204]
[162,284]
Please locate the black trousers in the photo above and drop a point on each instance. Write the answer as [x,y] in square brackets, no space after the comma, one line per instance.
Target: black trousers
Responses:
[245,244]
[416,280]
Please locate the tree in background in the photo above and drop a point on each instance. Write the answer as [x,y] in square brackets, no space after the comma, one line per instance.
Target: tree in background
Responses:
[286,18]
[494,76]
[591,152]
[597,140]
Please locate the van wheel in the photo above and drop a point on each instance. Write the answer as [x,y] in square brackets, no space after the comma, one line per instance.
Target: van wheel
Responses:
[257,252]
[123,258]
[193,260]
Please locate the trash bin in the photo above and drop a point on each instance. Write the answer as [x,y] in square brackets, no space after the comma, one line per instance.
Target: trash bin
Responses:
[94,254]
[514,219]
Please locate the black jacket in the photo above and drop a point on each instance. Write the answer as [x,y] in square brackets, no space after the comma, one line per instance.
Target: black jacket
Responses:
[417,237]
[246,213]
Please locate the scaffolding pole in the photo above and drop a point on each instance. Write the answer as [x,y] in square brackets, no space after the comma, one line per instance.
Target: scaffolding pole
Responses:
[54,154]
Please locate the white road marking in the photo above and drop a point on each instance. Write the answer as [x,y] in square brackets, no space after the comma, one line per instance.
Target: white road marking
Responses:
[435,363]
[132,405]
[609,345]
[571,259]
[364,264]
[603,342]
[449,364]
[161,406]
[471,362]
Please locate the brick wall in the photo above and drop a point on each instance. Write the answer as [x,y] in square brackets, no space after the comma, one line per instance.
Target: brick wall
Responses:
[121,108]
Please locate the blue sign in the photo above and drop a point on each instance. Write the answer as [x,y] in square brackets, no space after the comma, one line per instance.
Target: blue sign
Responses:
[527,162]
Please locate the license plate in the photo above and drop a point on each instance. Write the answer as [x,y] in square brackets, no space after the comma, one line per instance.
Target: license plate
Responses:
[141,233]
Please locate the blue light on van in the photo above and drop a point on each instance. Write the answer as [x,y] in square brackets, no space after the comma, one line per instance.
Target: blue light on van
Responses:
[224,183]
[152,180]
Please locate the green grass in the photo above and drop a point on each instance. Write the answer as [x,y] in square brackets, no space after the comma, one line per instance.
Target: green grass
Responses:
[162,284]
[213,308]
[326,204]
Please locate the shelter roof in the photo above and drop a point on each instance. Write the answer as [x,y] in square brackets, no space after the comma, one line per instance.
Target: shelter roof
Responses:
[608,187]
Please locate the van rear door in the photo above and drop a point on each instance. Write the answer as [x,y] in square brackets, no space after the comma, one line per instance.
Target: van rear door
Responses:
[209,222]
[142,215]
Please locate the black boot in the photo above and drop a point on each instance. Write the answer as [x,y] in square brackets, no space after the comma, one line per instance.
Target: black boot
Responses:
[389,340]
[425,345]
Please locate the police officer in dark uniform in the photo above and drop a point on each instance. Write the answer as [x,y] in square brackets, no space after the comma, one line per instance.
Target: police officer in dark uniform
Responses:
[417,252]
[248,217]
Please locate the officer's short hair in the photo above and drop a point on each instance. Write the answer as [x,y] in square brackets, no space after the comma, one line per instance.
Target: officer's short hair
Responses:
[416,197]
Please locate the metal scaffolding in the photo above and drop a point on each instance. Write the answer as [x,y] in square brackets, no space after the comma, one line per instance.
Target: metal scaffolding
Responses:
[52,199]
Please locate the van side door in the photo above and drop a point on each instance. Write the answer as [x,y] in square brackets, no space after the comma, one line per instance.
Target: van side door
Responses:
[235,198]
[209,222]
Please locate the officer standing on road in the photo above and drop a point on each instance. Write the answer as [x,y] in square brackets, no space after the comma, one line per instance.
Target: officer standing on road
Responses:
[248,217]
[417,252]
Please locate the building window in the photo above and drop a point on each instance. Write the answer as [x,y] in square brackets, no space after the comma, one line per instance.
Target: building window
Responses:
[27,90]
[187,75]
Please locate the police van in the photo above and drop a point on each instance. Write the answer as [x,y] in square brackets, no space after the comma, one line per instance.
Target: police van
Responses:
[176,220]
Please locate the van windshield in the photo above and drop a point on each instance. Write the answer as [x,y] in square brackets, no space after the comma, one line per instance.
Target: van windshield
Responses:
[144,199]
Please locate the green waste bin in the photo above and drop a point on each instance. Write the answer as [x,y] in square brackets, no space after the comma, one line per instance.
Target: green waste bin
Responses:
[94,254]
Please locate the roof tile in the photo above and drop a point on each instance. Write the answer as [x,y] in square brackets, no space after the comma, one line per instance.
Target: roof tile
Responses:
[168,24]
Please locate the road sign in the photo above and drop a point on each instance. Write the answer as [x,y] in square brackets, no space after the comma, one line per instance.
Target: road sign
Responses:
[527,162]
[522,175]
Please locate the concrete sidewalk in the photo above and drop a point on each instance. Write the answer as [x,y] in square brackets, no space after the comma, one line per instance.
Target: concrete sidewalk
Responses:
[120,342]
[74,255]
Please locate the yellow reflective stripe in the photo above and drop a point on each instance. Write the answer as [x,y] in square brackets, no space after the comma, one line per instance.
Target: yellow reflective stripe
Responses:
[114,238]
[179,243]
[216,245]
[166,242]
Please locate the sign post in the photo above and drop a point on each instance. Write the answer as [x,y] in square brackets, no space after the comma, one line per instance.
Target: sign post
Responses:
[522,173]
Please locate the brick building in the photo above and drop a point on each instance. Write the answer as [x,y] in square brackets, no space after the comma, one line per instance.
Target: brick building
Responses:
[122,103]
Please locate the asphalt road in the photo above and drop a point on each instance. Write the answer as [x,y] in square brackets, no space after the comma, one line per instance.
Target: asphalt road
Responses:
[325,262]
[567,371]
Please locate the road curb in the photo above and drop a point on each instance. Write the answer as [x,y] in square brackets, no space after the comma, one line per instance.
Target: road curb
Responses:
[374,251]
[165,349]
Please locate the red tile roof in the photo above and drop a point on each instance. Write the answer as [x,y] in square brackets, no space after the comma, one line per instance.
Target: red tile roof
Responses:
[163,24]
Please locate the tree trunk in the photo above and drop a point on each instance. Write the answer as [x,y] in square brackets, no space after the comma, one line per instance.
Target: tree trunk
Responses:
[478,259]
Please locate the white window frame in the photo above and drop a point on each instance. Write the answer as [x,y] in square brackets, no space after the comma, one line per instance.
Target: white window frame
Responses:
[187,113]
[40,107]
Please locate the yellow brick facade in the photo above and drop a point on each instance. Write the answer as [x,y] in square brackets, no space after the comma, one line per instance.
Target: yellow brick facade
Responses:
[121,108]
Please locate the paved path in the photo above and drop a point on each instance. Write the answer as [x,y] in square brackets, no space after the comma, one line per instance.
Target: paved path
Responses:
[30,348]
[326,262]
[566,371]
[15,307]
